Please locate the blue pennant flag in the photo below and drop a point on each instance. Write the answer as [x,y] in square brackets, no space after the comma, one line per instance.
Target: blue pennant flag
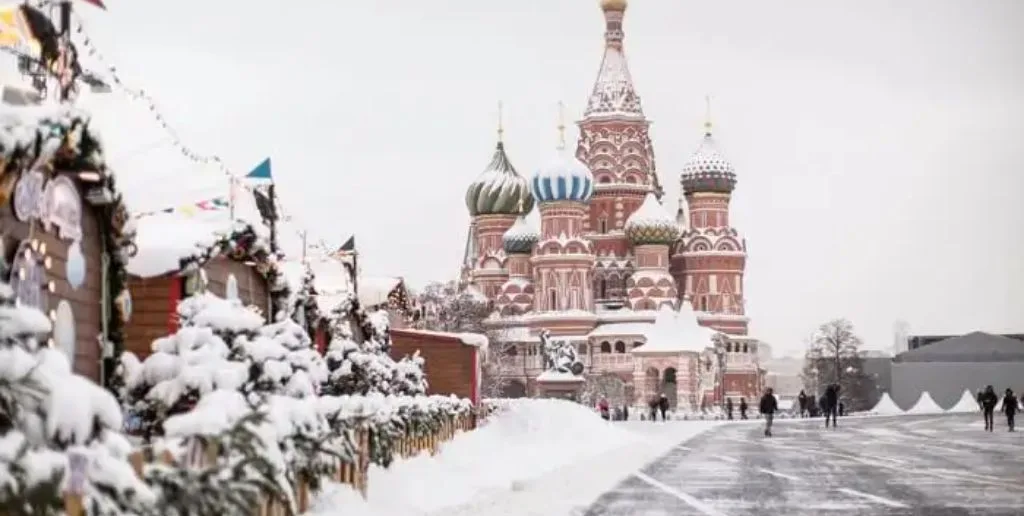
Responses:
[262,171]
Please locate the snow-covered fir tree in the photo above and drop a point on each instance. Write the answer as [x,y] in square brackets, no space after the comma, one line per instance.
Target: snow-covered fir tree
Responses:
[358,358]
[51,418]
[221,344]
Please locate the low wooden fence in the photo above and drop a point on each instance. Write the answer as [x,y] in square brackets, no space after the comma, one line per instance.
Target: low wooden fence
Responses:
[353,474]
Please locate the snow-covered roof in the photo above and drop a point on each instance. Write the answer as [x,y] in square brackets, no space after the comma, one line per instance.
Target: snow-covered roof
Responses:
[676,332]
[374,290]
[556,376]
[623,328]
[163,239]
[470,339]
[332,281]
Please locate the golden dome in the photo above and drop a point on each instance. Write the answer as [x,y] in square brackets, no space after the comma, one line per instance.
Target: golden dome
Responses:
[614,5]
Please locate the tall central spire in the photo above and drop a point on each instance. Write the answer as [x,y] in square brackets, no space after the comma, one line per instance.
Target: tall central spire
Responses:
[613,90]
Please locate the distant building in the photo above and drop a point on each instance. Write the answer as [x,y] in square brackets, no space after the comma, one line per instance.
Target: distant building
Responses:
[946,367]
[917,341]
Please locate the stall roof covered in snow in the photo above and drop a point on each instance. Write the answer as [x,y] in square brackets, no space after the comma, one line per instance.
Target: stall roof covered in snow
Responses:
[164,239]
[677,331]
[332,281]
[469,339]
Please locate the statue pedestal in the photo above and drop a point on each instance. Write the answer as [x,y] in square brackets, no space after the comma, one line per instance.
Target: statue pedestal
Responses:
[566,386]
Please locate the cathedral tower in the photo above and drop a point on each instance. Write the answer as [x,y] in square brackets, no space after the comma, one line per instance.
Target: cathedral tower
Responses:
[563,259]
[651,231]
[615,146]
[494,199]
[709,261]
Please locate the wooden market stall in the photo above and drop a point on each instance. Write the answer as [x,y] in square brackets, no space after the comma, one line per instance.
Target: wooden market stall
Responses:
[64,238]
[172,264]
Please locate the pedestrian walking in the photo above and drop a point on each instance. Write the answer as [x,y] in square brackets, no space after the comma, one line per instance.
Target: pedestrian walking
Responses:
[743,408]
[728,408]
[625,412]
[1009,407]
[602,406]
[988,403]
[831,404]
[652,404]
[768,407]
[663,406]
[804,405]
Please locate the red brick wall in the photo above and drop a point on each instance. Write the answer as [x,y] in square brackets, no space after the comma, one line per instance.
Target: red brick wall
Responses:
[451,366]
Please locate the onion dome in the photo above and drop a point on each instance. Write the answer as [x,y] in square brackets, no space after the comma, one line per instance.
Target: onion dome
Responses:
[499,190]
[614,5]
[707,170]
[565,178]
[651,224]
[519,238]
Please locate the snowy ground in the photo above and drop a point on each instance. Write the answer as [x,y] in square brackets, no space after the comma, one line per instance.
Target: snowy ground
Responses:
[539,457]
[933,465]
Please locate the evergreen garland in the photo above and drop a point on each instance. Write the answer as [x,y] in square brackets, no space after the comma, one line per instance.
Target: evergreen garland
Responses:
[244,244]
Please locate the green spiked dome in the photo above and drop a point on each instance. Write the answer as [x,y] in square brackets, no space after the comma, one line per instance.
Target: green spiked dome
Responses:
[499,190]
[651,224]
[520,238]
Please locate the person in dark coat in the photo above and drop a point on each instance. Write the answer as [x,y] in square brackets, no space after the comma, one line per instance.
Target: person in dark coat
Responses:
[831,404]
[663,406]
[988,403]
[743,408]
[728,408]
[769,405]
[1010,407]
[653,405]
[625,412]
[805,407]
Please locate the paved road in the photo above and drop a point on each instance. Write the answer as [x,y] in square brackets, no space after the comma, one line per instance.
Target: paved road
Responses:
[920,465]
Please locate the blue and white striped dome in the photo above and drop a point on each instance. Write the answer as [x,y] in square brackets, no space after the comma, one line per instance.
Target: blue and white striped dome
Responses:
[565,178]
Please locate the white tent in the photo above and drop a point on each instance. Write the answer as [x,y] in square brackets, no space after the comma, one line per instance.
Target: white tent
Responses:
[886,407]
[925,405]
[967,404]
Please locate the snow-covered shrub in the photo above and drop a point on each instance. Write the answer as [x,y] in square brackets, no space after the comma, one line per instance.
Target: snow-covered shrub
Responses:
[388,419]
[221,345]
[49,417]
[358,359]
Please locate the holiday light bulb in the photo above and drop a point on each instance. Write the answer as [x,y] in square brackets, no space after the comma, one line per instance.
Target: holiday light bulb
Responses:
[28,254]
[47,262]
[53,315]
[42,248]
[51,286]
[34,245]
[22,274]
[50,343]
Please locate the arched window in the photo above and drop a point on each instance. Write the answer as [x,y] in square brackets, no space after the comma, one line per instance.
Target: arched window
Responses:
[620,347]
[602,288]
[728,347]
[606,347]
[552,300]
[703,303]
[602,225]
[745,348]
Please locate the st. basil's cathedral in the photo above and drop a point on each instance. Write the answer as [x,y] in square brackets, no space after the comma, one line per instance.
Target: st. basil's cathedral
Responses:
[653,300]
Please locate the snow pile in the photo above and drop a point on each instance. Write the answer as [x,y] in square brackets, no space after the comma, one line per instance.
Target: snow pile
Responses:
[925,405]
[886,407]
[967,404]
[52,417]
[525,440]
[677,331]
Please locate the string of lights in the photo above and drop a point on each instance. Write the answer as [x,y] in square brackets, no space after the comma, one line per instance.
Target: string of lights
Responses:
[197,158]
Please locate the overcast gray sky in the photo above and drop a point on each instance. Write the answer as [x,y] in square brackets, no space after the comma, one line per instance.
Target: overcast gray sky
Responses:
[878,144]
